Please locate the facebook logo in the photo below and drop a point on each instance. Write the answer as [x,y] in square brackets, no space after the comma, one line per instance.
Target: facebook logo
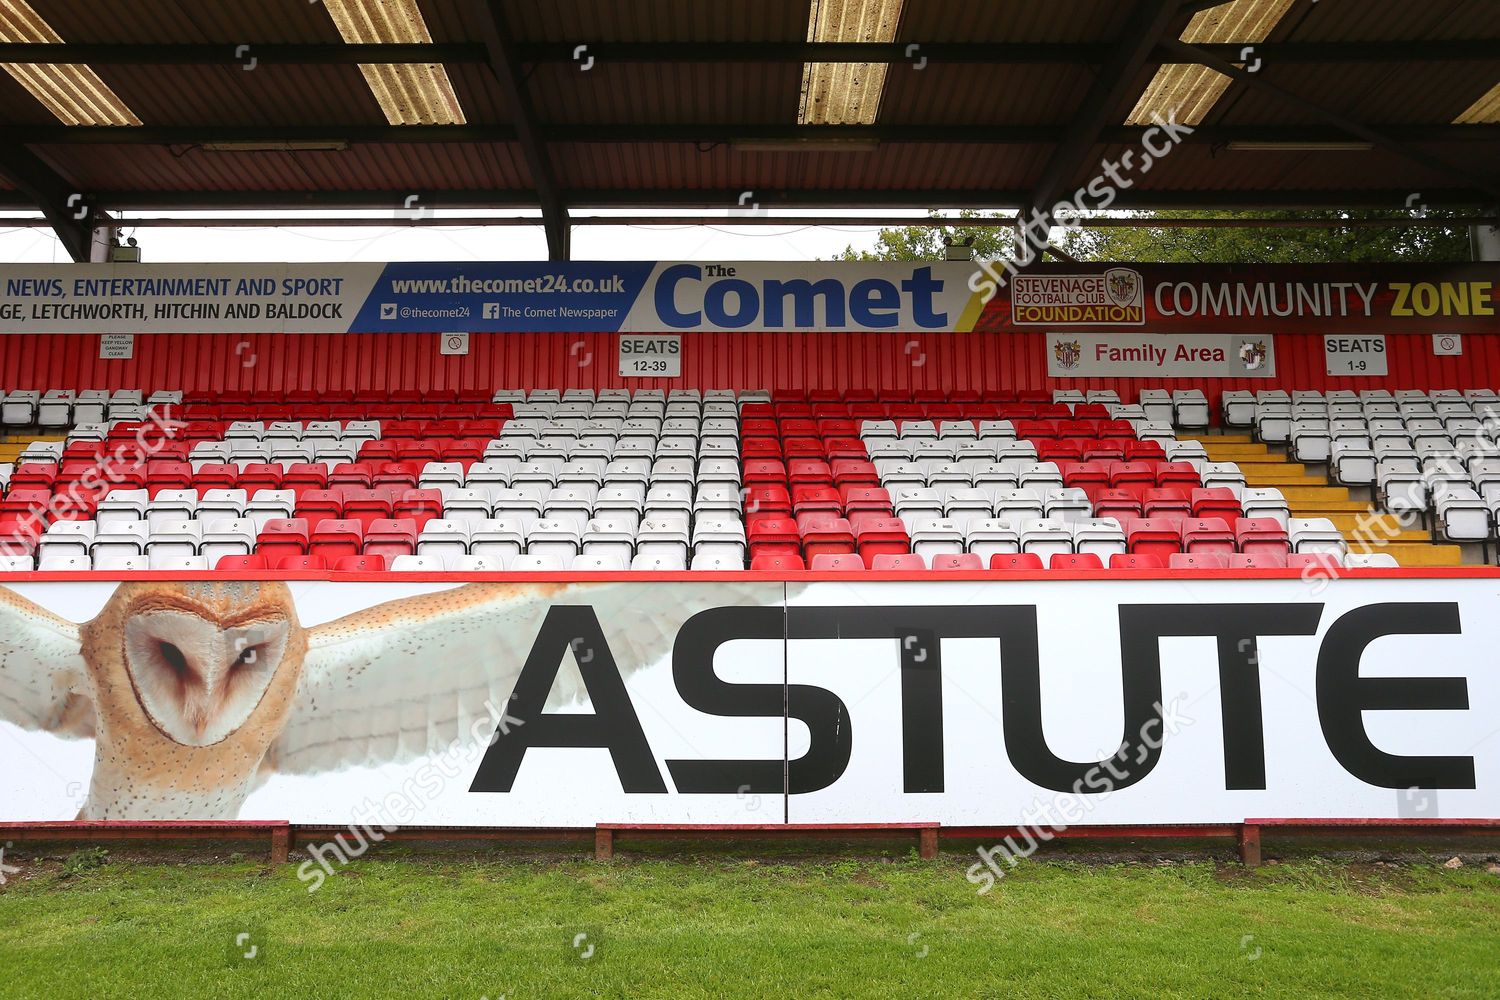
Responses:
[492,310]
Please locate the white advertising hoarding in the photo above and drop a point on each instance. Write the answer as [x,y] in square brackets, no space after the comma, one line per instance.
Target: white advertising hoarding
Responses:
[548,704]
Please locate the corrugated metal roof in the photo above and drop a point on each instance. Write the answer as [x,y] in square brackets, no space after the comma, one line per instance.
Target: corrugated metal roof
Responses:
[750,94]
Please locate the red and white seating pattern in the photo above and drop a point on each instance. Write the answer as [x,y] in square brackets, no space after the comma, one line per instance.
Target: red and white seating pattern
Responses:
[612,480]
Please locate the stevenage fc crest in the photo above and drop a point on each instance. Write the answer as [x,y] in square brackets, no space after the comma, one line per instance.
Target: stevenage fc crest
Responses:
[1123,286]
[1253,354]
[1067,353]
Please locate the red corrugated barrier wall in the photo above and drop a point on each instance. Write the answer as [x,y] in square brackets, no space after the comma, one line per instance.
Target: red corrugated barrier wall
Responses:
[998,363]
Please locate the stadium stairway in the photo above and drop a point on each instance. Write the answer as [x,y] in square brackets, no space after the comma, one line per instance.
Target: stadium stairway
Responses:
[1311,495]
[12,445]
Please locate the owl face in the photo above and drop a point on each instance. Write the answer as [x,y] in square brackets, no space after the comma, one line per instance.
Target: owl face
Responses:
[195,663]
[199,679]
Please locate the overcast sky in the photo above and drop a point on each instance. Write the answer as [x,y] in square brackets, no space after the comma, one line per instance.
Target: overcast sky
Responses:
[726,241]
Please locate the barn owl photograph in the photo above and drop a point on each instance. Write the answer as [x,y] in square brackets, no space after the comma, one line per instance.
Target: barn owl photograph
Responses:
[197,693]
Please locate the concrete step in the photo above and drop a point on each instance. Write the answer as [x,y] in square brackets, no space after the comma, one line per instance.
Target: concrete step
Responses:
[1319,495]
[1328,508]
[1289,482]
[1276,467]
[1423,554]
[1210,439]
[1386,526]
[1239,453]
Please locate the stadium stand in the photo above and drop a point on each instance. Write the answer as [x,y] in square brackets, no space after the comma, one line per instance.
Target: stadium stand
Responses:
[579,480]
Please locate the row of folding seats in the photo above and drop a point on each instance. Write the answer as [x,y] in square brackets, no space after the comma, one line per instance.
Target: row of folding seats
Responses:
[62,407]
[297,430]
[822,534]
[636,489]
[277,410]
[1068,503]
[778,563]
[1326,563]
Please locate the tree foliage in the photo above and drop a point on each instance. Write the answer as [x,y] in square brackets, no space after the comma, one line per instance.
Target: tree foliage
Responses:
[1334,242]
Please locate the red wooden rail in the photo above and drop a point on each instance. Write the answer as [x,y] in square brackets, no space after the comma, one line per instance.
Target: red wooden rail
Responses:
[104,831]
[283,835]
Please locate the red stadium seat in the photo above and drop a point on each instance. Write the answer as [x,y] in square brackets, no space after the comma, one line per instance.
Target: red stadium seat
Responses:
[957,561]
[1074,560]
[305,476]
[1216,502]
[907,561]
[1204,535]
[760,449]
[241,564]
[1016,561]
[360,564]
[1181,475]
[827,536]
[33,476]
[808,472]
[809,499]
[168,476]
[764,472]
[777,563]
[1261,536]
[19,504]
[837,563]
[1258,560]
[318,504]
[1119,504]
[844,449]
[366,506]
[1104,450]
[19,536]
[1199,560]
[776,536]
[391,537]
[866,499]
[1085,475]
[1136,561]
[282,537]
[1157,502]
[1128,473]
[305,563]
[850,472]
[216,476]
[1314,561]
[420,506]
[875,536]
[356,474]
[334,537]
[403,474]
[1154,536]
[767,499]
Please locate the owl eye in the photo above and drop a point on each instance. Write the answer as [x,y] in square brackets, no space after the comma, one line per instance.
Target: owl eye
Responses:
[173,657]
[248,656]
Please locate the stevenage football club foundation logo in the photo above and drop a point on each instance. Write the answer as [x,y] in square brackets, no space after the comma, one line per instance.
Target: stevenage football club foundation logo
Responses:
[1114,297]
[1067,353]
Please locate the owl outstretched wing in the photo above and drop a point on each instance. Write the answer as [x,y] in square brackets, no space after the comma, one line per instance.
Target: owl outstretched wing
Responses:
[405,679]
[43,679]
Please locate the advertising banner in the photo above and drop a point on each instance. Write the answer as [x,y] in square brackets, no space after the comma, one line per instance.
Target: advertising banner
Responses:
[679,297]
[568,704]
